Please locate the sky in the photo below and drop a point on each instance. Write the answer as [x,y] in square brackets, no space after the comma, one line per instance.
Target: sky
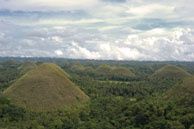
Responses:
[98,29]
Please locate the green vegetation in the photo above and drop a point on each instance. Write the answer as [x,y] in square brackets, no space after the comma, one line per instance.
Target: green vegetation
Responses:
[45,88]
[123,95]
[27,66]
[8,73]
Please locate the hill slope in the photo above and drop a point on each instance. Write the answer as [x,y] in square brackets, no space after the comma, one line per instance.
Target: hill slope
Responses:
[170,72]
[45,88]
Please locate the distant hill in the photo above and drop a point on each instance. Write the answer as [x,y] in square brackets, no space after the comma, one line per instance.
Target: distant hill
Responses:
[120,72]
[170,72]
[114,73]
[45,88]
[27,66]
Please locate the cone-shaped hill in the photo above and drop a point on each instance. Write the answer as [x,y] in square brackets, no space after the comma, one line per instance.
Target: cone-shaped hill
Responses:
[45,88]
[183,93]
[122,72]
[170,72]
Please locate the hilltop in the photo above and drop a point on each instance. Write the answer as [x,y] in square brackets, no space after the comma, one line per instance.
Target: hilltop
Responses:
[45,88]
[170,72]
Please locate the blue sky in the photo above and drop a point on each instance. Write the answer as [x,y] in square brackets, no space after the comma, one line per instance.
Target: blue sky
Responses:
[98,29]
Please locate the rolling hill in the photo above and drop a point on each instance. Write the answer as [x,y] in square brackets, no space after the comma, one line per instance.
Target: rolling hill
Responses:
[45,88]
[170,72]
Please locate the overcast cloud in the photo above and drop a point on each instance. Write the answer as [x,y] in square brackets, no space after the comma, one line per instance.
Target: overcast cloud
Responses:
[98,29]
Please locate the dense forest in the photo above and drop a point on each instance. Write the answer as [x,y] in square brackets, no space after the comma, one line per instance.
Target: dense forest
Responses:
[123,95]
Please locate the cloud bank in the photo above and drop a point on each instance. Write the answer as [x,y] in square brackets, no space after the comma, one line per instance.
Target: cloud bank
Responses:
[98,29]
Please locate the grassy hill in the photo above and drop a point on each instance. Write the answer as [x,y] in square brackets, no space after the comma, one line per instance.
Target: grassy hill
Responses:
[45,88]
[183,93]
[170,72]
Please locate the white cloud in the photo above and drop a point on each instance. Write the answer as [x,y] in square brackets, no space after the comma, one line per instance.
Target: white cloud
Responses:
[151,10]
[56,39]
[59,52]
[108,28]
[45,5]
[116,51]
[108,11]
[62,22]
[178,44]
[76,51]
